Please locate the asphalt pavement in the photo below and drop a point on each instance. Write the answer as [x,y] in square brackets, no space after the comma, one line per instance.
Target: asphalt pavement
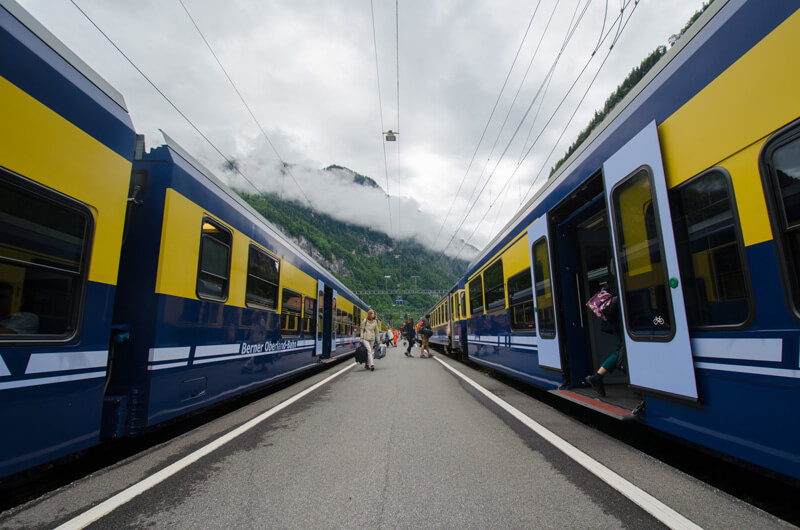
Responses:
[409,445]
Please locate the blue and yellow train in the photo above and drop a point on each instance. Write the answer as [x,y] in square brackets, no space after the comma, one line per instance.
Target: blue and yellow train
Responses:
[687,199]
[134,287]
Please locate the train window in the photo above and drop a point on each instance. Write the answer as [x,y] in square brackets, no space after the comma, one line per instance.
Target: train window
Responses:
[310,316]
[780,165]
[462,305]
[44,258]
[710,252]
[543,292]
[520,302]
[648,304]
[262,280]
[291,307]
[476,295]
[214,267]
[494,288]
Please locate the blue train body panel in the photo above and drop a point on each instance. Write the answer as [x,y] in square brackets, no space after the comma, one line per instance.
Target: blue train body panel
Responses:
[52,395]
[187,353]
[51,388]
[747,375]
[125,357]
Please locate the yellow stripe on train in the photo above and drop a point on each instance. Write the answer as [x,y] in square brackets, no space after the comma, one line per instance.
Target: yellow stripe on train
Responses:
[728,121]
[39,144]
[180,252]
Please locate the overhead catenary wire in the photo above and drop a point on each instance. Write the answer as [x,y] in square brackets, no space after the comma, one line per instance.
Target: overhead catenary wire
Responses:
[397,66]
[284,165]
[380,110]
[623,24]
[600,39]
[485,128]
[610,49]
[514,101]
[619,29]
[229,161]
[568,37]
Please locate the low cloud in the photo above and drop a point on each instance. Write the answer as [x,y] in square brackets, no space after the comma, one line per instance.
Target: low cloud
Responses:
[333,192]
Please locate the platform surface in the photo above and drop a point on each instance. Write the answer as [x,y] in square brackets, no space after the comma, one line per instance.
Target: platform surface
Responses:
[409,445]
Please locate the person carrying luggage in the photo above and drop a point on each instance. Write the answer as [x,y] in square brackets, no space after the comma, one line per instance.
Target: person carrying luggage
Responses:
[425,333]
[605,305]
[369,335]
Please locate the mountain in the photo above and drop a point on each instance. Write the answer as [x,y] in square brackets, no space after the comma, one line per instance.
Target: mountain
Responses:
[358,178]
[361,257]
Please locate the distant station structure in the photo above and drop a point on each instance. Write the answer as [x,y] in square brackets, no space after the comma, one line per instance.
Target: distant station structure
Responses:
[432,292]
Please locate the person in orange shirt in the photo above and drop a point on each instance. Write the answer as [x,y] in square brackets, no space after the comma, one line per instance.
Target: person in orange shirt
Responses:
[396,333]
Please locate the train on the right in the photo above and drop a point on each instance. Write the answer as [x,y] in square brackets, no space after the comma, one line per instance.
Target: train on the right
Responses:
[686,198]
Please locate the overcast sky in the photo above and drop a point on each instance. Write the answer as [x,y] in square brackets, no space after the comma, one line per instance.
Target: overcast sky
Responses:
[307,70]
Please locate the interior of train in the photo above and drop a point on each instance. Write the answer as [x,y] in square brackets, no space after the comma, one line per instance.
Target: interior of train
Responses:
[584,253]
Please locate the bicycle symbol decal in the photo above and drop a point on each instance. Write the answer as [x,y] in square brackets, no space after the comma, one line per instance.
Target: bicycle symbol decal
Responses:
[658,321]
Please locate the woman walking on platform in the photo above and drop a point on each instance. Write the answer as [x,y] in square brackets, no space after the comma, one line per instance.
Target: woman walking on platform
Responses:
[369,334]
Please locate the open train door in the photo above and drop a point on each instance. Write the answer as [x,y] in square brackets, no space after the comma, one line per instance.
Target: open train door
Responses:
[321,333]
[332,322]
[656,331]
[326,311]
[544,301]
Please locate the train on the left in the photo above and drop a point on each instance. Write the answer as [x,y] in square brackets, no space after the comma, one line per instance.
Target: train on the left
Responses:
[135,287]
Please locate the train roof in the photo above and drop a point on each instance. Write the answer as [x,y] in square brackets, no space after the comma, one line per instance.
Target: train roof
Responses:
[605,128]
[26,19]
[270,228]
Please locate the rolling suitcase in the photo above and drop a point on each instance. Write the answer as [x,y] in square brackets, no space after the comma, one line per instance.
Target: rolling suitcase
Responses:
[361,354]
[380,353]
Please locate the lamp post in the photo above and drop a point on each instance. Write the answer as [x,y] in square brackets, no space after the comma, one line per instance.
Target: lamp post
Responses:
[386,282]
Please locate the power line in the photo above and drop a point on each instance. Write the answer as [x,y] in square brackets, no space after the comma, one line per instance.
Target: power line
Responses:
[567,39]
[616,38]
[230,162]
[249,110]
[397,65]
[380,109]
[623,24]
[516,95]
[485,128]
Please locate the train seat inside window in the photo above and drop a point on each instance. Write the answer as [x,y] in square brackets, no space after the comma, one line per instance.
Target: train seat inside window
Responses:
[44,242]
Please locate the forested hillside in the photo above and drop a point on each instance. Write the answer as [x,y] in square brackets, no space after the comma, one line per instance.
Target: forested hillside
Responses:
[361,257]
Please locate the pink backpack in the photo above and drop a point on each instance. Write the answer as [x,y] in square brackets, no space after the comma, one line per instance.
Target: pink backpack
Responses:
[602,303]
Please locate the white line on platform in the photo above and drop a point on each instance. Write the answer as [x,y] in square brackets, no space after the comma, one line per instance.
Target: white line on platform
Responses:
[644,500]
[106,507]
